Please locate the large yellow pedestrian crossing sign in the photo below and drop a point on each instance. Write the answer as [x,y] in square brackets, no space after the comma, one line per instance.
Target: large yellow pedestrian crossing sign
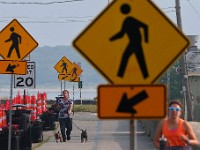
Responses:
[132,42]
[15,42]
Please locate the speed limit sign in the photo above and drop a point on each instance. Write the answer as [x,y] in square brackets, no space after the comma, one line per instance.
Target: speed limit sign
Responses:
[28,80]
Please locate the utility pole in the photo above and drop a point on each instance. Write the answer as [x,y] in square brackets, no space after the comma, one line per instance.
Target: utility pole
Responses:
[168,82]
[185,84]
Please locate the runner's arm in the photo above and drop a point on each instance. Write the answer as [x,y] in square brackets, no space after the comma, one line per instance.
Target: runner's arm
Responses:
[158,134]
[191,139]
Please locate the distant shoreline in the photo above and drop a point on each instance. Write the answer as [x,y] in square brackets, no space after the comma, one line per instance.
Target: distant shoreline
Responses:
[51,93]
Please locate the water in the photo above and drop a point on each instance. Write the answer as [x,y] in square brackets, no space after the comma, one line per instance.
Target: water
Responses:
[84,94]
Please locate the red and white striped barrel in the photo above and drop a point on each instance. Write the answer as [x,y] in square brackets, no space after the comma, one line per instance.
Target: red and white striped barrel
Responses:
[39,104]
[33,115]
[14,101]
[44,105]
[33,102]
[1,118]
[4,119]
[7,104]
[19,99]
[28,102]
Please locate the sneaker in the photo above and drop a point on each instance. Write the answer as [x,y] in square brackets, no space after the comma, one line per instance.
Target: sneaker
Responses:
[68,137]
[64,140]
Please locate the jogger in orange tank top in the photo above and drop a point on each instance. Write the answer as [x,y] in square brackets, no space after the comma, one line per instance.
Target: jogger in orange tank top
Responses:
[178,132]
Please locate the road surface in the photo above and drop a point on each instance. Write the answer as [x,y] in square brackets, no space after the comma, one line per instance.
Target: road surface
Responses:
[102,135]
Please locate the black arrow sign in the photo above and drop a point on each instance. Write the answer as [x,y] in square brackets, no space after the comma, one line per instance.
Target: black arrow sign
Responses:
[126,105]
[65,77]
[11,68]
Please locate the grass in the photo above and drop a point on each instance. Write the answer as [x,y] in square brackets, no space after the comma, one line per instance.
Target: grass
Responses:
[85,108]
[82,108]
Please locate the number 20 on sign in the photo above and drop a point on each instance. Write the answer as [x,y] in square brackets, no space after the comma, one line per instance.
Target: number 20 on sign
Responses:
[28,80]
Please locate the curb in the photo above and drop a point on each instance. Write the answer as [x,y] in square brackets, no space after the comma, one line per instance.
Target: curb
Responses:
[46,136]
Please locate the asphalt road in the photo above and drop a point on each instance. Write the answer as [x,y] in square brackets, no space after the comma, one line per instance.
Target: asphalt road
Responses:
[102,135]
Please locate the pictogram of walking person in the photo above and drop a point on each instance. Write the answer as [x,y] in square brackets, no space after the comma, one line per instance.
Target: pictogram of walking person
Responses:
[131,27]
[16,40]
[64,66]
[74,74]
[74,71]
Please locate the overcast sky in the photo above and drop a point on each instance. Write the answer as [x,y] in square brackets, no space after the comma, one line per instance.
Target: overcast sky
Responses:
[58,22]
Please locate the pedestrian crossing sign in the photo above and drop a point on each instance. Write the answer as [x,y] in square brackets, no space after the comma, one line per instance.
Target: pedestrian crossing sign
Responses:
[131,42]
[15,42]
[77,69]
[64,66]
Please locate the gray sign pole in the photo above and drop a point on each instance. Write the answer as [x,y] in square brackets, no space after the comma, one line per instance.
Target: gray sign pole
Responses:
[61,87]
[10,113]
[64,85]
[132,134]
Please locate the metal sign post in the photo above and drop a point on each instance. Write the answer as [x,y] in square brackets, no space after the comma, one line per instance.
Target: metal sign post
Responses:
[132,134]
[61,87]
[81,97]
[10,113]
[73,92]
[73,100]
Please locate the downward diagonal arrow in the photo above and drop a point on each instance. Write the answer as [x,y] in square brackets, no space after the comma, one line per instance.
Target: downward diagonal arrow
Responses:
[11,68]
[126,105]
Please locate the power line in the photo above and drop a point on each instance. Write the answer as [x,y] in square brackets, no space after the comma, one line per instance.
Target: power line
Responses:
[39,3]
[197,13]
[48,19]
[168,8]
[44,22]
[170,11]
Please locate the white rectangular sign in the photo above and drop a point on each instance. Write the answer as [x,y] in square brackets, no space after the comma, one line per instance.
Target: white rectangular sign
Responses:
[28,80]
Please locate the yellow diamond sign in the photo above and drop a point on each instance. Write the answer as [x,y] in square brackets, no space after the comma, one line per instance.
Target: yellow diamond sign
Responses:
[132,42]
[76,71]
[15,42]
[64,66]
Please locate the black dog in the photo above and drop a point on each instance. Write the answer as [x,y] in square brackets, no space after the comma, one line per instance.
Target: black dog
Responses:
[58,137]
[84,136]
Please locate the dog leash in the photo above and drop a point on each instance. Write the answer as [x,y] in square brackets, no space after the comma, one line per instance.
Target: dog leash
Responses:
[77,126]
[74,123]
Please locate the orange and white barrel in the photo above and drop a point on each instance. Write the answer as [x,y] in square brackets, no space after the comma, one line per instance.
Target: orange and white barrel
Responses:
[3,107]
[7,104]
[14,101]
[4,119]
[39,104]
[19,99]
[33,115]
[33,102]
[1,118]
[43,98]
[28,102]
